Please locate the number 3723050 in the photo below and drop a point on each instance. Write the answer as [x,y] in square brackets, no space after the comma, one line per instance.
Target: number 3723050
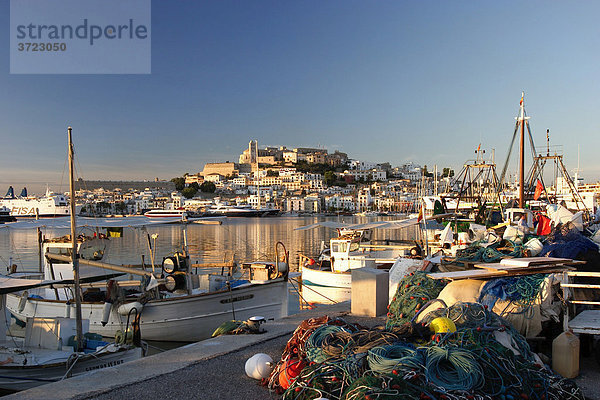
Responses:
[41,46]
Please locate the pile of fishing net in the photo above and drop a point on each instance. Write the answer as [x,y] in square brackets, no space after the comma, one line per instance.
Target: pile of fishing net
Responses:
[565,241]
[521,291]
[414,291]
[473,354]
[483,251]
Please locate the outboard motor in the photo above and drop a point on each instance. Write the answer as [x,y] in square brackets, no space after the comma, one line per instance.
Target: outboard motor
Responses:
[11,193]
[24,192]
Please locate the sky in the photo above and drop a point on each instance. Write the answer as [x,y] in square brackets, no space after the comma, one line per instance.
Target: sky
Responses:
[383,81]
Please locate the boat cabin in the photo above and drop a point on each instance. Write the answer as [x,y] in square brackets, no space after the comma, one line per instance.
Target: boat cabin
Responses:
[513,215]
[352,249]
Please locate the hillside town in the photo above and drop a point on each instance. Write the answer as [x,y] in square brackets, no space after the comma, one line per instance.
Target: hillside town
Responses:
[298,180]
[278,180]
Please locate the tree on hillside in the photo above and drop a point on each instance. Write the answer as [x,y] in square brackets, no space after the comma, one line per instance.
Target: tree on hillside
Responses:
[208,187]
[329,178]
[189,192]
[179,183]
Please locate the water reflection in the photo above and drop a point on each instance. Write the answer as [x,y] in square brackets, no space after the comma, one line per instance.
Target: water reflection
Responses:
[243,239]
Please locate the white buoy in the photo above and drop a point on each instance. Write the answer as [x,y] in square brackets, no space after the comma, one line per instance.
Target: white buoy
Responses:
[106,313]
[126,308]
[259,366]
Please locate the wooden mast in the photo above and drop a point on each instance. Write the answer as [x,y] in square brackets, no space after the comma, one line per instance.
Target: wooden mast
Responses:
[74,258]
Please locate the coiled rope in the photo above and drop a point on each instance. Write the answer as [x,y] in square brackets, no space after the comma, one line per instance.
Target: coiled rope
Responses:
[394,358]
[453,368]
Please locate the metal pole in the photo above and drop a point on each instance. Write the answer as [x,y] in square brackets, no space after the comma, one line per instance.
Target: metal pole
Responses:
[522,158]
[39,237]
[74,258]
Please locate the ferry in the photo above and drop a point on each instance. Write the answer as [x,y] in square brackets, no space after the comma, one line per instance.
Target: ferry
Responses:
[24,206]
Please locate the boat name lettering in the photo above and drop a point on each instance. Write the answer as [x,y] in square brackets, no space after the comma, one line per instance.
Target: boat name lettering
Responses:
[237,298]
[105,365]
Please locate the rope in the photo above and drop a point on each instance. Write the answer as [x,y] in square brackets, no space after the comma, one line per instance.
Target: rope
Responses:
[314,345]
[467,364]
[453,369]
[394,358]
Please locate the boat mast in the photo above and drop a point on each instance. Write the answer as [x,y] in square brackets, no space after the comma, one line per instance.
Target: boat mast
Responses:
[522,120]
[74,258]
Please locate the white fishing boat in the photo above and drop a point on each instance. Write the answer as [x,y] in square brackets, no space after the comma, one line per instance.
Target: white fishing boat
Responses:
[44,355]
[350,250]
[55,348]
[25,206]
[183,307]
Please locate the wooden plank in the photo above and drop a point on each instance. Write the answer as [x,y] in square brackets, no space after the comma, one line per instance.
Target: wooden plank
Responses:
[489,274]
[499,267]
[529,261]
[584,273]
[467,274]
[586,322]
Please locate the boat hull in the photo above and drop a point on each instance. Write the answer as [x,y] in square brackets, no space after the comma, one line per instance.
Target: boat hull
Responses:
[324,286]
[179,319]
[23,377]
[317,277]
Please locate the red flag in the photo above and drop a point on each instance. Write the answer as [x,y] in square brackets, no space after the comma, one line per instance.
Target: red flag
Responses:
[544,226]
[539,188]
[420,215]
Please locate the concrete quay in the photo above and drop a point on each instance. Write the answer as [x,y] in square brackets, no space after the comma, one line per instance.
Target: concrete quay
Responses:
[214,368]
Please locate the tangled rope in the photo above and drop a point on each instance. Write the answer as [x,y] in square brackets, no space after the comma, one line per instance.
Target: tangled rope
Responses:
[315,350]
[484,359]
[522,291]
[483,251]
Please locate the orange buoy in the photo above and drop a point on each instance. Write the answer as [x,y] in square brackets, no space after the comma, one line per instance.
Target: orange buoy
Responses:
[289,371]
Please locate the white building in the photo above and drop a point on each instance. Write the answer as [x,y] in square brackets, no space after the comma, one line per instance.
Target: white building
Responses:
[361,165]
[339,202]
[294,204]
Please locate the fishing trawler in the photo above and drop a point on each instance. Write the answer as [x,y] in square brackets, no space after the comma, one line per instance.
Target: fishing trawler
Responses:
[25,206]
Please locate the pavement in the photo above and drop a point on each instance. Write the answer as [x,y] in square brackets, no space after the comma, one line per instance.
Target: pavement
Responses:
[214,368]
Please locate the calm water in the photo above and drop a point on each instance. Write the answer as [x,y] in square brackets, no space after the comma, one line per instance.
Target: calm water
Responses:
[244,239]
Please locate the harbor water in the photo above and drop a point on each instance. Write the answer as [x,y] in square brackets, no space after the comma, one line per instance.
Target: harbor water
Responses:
[240,239]
[243,239]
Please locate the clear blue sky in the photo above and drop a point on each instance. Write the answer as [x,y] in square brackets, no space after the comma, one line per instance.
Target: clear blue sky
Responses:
[382,81]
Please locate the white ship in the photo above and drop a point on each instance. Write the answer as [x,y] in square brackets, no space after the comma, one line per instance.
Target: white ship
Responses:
[24,206]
